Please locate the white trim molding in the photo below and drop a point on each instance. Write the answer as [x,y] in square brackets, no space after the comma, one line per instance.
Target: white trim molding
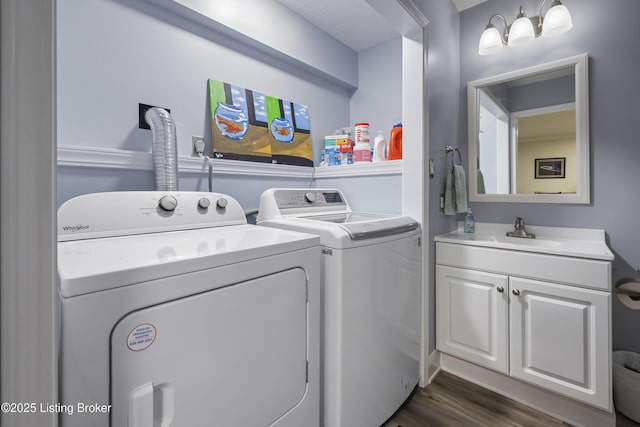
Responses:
[563,408]
[391,167]
[112,158]
[95,157]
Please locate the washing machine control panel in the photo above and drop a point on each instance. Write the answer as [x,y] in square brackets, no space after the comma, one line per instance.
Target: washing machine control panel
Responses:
[139,212]
[305,198]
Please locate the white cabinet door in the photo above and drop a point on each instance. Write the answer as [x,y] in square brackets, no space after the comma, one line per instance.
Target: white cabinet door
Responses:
[472,316]
[560,339]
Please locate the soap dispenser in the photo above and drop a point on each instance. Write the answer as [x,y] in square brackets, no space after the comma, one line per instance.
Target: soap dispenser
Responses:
[469,223]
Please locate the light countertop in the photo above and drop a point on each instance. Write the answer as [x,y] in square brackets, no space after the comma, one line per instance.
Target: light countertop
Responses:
[574,242]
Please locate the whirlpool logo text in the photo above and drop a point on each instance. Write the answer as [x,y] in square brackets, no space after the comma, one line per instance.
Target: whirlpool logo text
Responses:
[75,228]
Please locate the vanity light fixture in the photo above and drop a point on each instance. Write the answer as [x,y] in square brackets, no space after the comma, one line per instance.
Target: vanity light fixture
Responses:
[556,21]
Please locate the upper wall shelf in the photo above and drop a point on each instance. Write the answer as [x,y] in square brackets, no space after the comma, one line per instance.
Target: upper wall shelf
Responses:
[109,158]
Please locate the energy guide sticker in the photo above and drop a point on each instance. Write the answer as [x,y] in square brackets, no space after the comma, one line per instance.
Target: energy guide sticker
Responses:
[141,337]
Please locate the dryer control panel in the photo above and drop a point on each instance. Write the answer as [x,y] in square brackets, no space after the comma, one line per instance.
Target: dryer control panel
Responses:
[140,212]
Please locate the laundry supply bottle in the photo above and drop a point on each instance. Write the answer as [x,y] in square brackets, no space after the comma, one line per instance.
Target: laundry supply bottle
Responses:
[469,223]
[379,147]
[362,148]
[395,142]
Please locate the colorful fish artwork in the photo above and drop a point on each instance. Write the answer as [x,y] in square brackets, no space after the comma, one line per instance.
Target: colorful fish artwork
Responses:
[249,125]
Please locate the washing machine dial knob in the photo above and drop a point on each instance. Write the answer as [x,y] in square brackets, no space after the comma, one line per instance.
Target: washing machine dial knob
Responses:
[310,197]
[168,203]
[204,203]
[222,203]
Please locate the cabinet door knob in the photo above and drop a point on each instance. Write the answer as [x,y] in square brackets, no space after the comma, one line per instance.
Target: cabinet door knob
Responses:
[500,289]
[516,292]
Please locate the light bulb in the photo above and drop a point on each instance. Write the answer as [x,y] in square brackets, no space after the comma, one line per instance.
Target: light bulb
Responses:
[521,31]
[490,41]
[556,21]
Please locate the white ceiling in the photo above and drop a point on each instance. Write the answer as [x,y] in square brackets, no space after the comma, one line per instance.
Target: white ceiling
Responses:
[466,4]
[353,22]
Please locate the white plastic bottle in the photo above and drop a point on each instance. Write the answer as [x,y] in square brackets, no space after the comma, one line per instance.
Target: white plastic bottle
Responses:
[379,147]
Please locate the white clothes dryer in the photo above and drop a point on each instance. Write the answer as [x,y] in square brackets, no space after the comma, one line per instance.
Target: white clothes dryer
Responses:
[176,312]
[371,287]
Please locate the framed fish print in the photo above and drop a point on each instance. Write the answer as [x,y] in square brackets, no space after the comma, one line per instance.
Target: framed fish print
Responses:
[252,126]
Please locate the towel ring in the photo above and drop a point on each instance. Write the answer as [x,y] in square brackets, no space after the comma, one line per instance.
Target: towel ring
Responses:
[450,149]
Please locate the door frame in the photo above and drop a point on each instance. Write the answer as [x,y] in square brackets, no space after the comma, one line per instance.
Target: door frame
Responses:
[28,308]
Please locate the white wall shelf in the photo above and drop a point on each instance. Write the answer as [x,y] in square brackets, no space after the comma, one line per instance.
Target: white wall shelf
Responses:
[110,158]
[391,167]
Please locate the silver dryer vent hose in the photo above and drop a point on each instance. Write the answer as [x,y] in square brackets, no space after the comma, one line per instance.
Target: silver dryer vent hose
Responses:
[164,148]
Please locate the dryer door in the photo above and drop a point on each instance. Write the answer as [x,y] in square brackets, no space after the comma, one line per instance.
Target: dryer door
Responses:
[235,356]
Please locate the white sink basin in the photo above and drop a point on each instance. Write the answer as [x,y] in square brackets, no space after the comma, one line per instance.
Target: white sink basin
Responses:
[584,243]
[538,242]
[497,238]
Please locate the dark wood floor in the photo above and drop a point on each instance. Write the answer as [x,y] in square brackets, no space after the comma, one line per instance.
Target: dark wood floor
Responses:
[450,401]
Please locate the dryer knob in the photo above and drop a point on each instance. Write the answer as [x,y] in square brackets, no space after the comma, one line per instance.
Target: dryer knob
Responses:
[204,203]
[310,197]
[168,203]
[222,203]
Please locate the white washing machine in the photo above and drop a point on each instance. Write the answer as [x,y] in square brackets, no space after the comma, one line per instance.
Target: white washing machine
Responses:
[176,312]
[371,287]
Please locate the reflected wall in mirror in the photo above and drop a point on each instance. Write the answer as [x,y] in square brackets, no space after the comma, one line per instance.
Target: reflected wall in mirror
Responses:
[519,124]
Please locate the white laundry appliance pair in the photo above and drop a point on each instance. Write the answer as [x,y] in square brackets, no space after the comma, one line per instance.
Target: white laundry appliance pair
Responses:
[371,301]
[176,312]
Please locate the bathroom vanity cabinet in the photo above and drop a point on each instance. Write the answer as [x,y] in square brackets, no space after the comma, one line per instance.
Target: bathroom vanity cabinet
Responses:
[537,310]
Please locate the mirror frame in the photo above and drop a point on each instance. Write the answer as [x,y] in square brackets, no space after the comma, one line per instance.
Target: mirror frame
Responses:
[583,191]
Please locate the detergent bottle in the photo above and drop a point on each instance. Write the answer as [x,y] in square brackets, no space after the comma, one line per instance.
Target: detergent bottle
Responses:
[395,142]
[379,147]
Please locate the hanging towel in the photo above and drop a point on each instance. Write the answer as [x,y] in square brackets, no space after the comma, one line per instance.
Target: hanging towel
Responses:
[481,189]
[461,189]
[450,194]
[455,194]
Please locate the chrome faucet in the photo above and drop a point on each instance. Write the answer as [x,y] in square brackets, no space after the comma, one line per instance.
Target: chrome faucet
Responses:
[519,230]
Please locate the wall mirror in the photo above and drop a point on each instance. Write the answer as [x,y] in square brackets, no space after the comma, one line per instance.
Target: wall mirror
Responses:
[529,134]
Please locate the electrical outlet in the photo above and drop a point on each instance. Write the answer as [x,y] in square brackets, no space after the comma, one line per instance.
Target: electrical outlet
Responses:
[142,109]
[197,146]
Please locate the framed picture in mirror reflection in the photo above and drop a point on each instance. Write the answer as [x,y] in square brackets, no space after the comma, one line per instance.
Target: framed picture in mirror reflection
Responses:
[550,168]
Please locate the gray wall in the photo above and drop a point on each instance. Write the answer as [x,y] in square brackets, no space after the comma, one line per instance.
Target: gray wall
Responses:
[113,54]
[542,94]
[608,32]
[444,120]
[378,99]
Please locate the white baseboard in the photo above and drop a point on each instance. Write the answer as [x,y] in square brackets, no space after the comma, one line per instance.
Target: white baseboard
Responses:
[557,406]
[433,366]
